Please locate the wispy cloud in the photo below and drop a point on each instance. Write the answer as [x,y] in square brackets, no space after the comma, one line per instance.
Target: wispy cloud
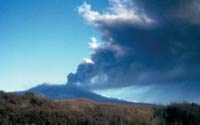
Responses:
[117,13]
[88,61]
[93,44]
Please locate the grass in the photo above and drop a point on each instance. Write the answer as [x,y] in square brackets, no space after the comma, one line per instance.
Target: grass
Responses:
[30,109]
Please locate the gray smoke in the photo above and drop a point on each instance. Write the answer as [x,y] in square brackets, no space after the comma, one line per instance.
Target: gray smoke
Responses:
[146,42]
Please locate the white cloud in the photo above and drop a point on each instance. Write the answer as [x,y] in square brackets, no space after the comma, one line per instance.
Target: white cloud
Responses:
[93,44]
[87,13]
[88,61]
[118,12]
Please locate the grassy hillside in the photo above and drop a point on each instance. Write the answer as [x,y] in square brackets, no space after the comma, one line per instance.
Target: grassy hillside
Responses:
[34,110]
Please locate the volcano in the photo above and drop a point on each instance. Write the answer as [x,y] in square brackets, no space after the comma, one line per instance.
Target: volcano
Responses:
[71,92]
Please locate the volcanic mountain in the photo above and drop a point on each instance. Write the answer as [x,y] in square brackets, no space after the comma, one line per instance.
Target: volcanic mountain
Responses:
[71,92]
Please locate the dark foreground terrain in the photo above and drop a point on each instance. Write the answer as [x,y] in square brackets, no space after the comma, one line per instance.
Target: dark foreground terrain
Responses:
[34,110]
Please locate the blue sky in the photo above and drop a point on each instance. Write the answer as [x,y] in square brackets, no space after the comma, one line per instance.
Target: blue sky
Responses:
[41,41]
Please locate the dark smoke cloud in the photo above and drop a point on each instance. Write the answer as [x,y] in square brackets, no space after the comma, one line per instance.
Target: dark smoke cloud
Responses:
[187,11]
[146,42]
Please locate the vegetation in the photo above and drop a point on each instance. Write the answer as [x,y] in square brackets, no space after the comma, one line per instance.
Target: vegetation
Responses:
[34,110]
[179,114]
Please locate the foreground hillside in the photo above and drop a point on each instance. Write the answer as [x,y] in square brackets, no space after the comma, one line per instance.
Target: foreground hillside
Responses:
[34,110]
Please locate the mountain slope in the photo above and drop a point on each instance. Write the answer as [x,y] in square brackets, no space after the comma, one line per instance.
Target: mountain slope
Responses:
[71,92]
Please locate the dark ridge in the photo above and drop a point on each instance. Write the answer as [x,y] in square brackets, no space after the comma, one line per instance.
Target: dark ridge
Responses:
[72,92]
